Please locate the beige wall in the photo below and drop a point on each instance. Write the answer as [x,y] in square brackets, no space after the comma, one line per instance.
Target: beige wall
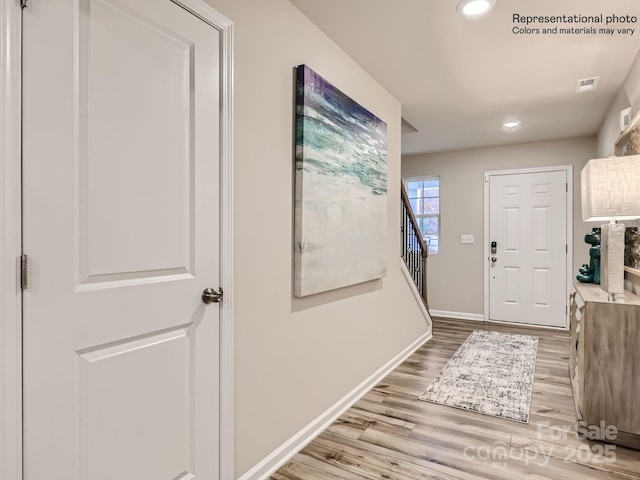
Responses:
[628,96]
[610,130]
[632,85]
[294,358]
[456,278]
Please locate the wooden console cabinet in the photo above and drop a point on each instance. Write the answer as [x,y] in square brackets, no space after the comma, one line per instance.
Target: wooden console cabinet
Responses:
[604,361]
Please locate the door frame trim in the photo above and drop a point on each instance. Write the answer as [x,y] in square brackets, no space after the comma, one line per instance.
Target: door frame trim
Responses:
[11,234]
[226,420]
[10,239]
[226,424]
[568,169]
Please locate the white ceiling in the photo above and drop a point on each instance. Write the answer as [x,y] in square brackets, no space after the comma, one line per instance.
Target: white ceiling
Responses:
[458,79]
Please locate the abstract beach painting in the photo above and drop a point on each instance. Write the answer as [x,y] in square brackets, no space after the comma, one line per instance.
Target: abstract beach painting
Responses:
[341,189]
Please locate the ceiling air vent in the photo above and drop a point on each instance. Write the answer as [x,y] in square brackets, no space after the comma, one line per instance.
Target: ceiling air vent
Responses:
[587,84]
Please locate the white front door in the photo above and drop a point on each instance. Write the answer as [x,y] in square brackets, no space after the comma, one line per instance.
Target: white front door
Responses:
[120,220]
[527,264]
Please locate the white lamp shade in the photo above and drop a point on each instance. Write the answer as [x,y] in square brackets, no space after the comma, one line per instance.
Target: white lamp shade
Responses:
[611,189]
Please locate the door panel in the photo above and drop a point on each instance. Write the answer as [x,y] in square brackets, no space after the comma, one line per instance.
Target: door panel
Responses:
[542,287]
[128,64]
[512,285]
[511,230]
[120,172]
[527,219]
[541,230]
[147,369]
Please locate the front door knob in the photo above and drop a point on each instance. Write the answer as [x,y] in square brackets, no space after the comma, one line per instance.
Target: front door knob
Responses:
[211,295]
[494,259]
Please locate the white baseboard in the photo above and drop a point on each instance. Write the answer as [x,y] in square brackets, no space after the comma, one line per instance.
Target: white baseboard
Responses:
[459,315]
[296,443]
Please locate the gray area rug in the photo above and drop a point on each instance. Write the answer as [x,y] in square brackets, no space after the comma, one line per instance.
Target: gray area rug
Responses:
[491,373]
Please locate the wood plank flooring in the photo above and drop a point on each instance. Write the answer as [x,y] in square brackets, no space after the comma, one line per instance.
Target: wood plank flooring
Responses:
[390,434]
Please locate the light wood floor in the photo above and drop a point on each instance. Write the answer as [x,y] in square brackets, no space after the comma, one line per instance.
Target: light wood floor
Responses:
[390,434]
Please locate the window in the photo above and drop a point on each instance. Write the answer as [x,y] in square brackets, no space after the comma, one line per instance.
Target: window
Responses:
[424,195]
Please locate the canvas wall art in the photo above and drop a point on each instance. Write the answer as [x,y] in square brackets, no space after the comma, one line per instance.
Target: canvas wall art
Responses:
[341,189]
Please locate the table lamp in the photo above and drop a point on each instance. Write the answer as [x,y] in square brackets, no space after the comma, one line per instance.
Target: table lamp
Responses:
[611,192]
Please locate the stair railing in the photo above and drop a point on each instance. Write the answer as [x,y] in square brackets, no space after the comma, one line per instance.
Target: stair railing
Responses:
[414,248]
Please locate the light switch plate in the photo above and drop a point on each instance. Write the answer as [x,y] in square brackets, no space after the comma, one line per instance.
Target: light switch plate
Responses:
[466,238]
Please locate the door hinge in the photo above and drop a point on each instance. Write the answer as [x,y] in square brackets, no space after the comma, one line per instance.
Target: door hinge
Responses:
[24,272]
[566,187]
[23,3]
[566,248]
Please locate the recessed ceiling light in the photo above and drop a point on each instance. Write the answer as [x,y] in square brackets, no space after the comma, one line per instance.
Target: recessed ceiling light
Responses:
[511,124]
[473,8]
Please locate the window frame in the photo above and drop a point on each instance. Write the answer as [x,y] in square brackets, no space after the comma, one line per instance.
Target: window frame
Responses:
[427,237]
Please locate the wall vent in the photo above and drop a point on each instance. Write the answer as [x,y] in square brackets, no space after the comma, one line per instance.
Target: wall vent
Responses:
[587,84]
